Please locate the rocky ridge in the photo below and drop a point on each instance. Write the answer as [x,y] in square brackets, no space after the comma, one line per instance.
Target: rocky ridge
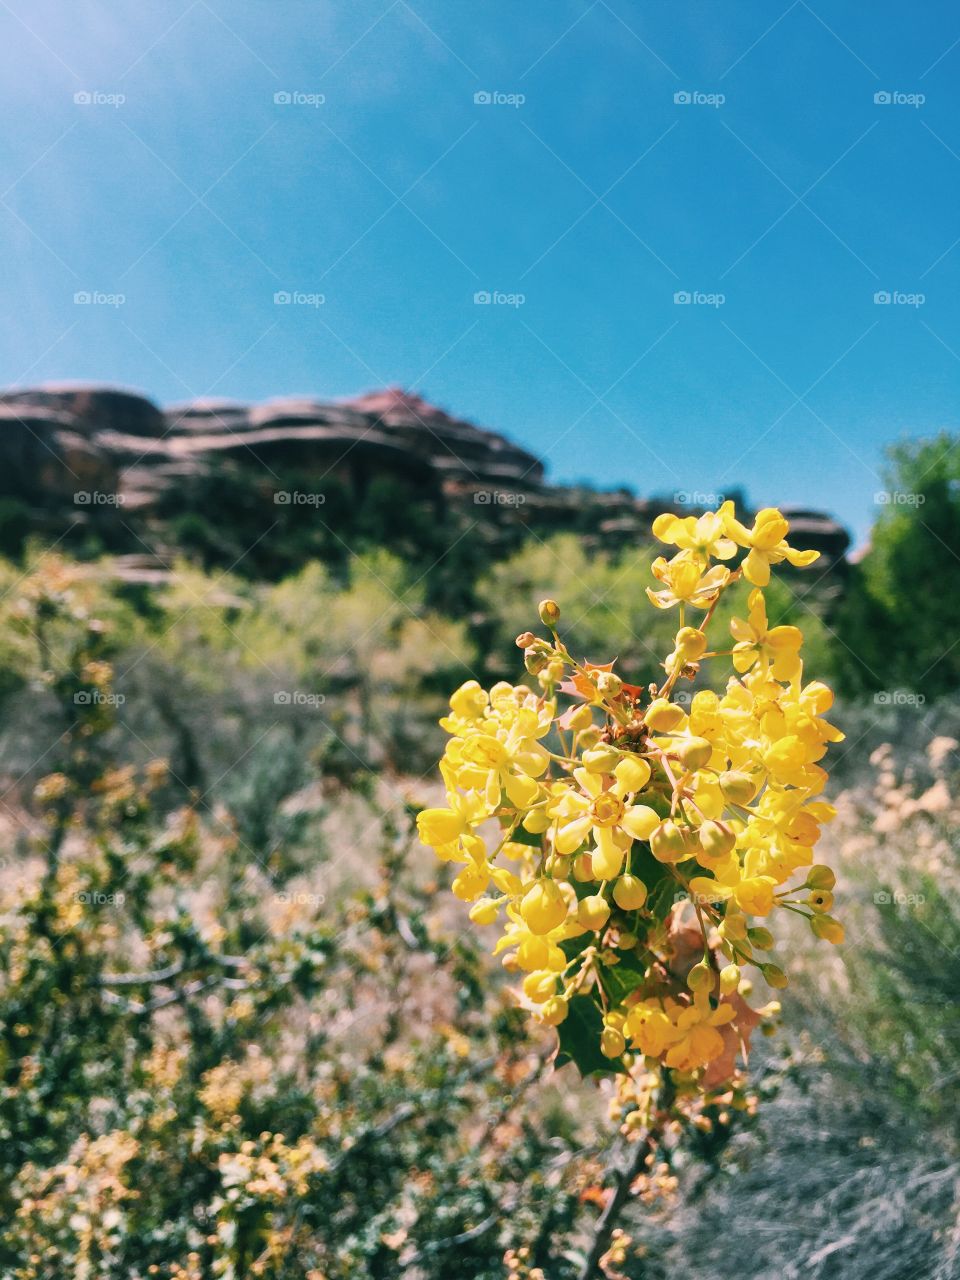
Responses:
[104,457]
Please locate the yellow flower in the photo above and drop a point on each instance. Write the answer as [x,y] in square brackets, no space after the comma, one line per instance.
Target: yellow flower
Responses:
[685,1036]
[777,649]
[698,1040]
[767,541]
[685,583]
[603,812]
[704,536]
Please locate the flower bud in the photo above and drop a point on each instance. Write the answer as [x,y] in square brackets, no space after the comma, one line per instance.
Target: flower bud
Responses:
[629,893]
[602,759]
[543,907]
[552,672]
[668,843]
[549,612]
[485,911]
[593,912]
[691,644]
[827,928]
[536,822]
[737,787]
[820,877]
[583,868]
[700,977]
[589,738]
[717,839]
[558,868]
[539,985]
[774,975]
[554,1011]
[729,979]
[694,753]
[662,716]
[733,928]
[612,1043]
[525,639]
[581,718]
[609,685]
[761,938]
[633,773]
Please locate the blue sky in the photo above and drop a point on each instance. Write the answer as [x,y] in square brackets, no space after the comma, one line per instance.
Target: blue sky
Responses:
[780,196]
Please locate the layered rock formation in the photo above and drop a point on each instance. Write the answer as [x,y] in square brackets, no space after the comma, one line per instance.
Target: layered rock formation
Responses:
[110,460]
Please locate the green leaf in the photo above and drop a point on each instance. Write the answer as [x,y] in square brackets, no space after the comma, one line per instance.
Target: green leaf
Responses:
[661,886]
[523,836]
[620,979]
[579,1036]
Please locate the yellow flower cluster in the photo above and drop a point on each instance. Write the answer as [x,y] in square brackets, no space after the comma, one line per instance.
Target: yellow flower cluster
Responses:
[631,844]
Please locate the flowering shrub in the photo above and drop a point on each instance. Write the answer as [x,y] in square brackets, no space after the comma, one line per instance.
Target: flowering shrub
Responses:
[633,842]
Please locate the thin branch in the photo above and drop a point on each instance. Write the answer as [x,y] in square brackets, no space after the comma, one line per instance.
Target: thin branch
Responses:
[608,1219]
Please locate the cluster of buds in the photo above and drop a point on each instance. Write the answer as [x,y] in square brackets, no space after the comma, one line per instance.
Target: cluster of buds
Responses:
[634,841]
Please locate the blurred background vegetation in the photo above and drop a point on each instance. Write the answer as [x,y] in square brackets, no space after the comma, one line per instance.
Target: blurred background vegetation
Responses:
[243,1033]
